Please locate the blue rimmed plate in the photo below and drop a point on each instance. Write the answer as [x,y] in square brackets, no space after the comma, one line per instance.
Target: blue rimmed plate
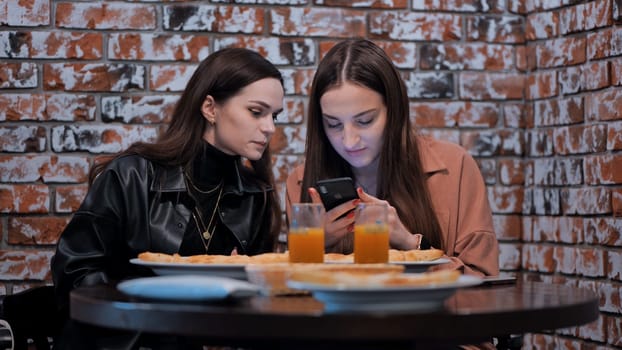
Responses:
[188,288]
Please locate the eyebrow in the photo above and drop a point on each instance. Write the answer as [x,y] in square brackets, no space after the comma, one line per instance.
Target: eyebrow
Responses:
[355,116]
[265,105]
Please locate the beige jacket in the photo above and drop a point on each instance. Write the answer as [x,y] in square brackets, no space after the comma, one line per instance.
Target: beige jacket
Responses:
[460,201]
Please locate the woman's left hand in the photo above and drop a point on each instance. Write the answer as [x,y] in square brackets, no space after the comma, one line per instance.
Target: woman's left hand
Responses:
[399,236]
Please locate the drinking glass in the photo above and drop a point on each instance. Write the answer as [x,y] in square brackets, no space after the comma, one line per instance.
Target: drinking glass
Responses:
[371,233]
[306,233]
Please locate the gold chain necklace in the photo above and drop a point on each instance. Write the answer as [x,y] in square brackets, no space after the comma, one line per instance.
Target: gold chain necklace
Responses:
[200,190]
[204,231]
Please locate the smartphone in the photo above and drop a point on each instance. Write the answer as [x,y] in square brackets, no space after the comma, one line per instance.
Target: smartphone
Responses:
[336,191]
[499,280]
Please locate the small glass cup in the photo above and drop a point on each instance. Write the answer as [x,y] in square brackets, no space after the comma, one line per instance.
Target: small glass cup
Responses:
[306,233]
[371,233]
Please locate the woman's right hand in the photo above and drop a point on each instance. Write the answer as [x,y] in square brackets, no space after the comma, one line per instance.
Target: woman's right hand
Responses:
[336,227]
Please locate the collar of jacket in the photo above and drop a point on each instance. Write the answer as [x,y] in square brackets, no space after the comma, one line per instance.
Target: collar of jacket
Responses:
[171,179]
[430,160]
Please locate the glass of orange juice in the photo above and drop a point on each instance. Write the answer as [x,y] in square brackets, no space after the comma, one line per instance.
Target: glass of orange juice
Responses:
[306,233]
[371,233]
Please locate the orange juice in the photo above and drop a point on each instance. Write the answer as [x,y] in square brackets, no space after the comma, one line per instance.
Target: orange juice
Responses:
[371,244]
[306,245]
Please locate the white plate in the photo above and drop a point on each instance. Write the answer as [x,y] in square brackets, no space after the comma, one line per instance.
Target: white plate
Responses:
[188,288]
[409,266]
[221,270]
[420,266]
[363,299]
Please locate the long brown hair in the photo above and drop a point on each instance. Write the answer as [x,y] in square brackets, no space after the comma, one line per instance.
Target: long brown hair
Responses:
[222,75]
[401,179]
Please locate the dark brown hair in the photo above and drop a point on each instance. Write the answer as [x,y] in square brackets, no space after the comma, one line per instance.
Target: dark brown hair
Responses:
[222,75]
[401,179]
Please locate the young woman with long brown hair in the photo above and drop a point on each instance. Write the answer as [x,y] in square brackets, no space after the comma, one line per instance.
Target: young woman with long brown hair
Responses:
[205,186]
[359,126]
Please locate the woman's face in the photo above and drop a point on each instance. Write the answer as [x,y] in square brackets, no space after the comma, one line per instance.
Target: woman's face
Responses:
[244,124]
[354,118]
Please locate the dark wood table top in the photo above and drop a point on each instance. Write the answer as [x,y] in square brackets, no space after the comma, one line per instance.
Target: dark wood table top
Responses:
[470,315]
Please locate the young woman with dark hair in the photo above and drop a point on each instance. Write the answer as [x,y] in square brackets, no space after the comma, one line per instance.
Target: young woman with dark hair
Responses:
[359,126]
[204,186]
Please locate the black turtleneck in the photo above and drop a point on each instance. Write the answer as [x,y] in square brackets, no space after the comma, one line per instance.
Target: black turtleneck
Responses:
[210,171]
[211,166]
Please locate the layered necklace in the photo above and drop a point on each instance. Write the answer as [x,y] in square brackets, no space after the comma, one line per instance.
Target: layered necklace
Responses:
[206,232]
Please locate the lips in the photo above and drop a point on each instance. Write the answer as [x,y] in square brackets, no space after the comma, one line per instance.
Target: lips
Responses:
[355,153]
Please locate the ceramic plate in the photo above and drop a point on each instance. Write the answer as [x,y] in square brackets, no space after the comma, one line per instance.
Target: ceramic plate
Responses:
[220,270]
[409,266]
[392,299]
[420,266]
[188,288]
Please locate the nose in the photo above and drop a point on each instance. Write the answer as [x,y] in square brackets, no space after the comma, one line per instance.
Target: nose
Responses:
[350,136]
[267,126]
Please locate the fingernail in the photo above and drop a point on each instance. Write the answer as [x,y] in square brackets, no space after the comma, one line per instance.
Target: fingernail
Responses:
[357,201]
[350,227]
[350,215]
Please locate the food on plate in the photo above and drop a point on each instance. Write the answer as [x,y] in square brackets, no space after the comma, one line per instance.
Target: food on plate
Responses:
[271,258]
[396,255]
[159,257]
[422,255]
[366,279]
[217,259]
[338,258]
[273,277]
[214,259]
[421,279]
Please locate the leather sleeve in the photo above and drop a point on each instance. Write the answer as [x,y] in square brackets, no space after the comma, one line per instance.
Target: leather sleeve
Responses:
[92,247]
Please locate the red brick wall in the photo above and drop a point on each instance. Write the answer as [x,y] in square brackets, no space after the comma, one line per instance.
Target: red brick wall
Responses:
[532,88]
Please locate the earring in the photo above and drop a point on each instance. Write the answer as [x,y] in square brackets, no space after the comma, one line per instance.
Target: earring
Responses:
[211,121]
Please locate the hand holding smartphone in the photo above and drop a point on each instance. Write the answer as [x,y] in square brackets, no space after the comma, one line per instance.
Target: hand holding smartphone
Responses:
[334,192]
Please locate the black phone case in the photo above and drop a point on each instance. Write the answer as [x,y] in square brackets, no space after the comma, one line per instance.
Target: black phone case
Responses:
[336,191]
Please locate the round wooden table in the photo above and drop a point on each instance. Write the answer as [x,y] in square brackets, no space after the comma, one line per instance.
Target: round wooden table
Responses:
[471,315]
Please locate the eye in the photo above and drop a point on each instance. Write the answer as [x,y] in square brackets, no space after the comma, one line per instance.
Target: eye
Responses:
[275,116]
[255,112]
[366,121]
[332,125]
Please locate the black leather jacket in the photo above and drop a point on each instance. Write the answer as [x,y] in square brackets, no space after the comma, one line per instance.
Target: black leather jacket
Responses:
[136,205]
